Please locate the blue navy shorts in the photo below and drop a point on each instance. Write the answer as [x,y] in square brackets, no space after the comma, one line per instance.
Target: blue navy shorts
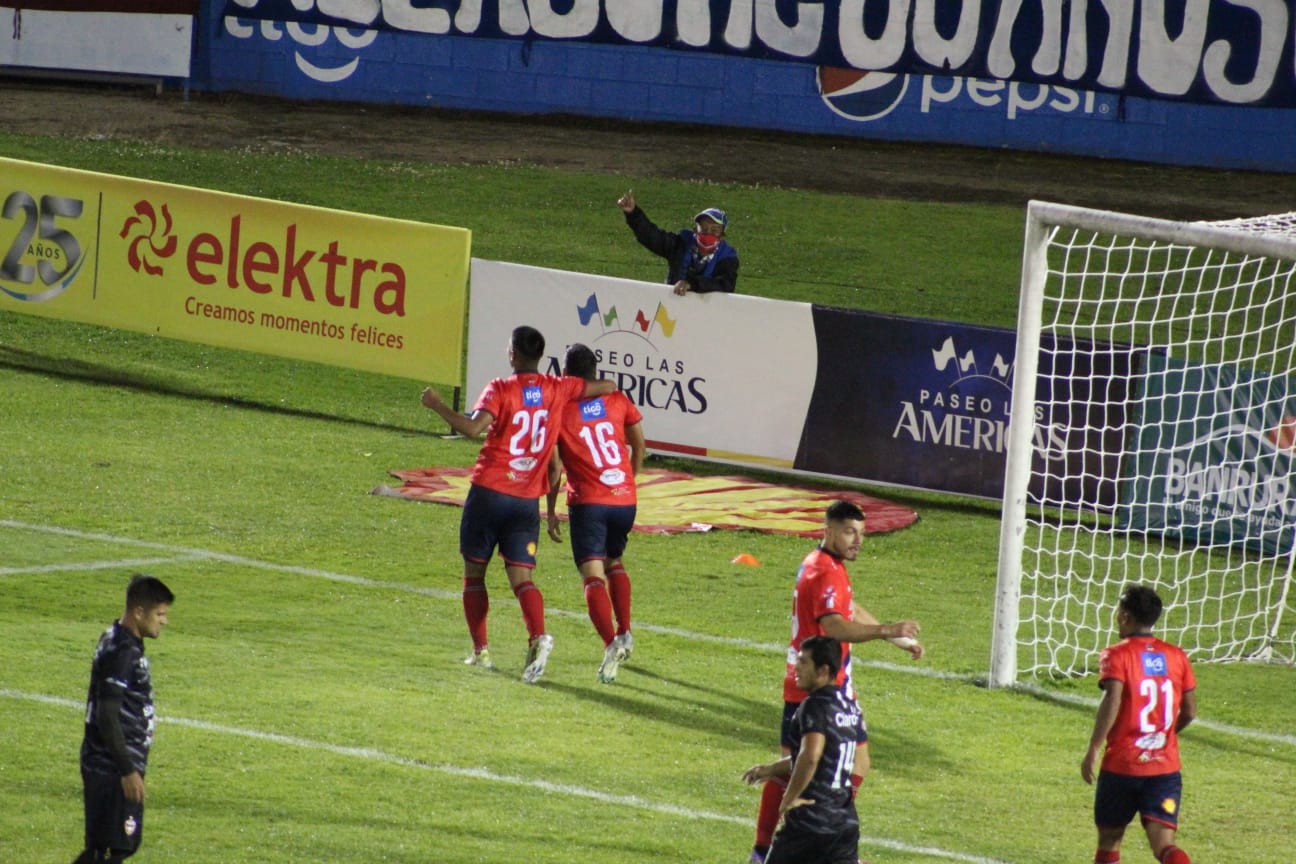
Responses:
[111,822]
[785,730]
[600,530]
[1119,796]
[493,519]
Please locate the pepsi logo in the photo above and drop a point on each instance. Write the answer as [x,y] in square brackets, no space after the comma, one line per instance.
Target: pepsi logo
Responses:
[859,95]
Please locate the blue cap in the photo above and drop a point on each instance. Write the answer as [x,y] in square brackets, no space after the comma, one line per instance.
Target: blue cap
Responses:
[715,214]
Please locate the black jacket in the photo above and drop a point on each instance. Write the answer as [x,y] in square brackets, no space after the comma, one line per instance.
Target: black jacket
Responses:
[717,272]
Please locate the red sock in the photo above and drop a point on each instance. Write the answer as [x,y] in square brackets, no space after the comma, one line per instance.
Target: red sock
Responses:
[476,604]
[1174,855]
[619,587]
[1107,856]
[532,602]
[767,816]
[600,609]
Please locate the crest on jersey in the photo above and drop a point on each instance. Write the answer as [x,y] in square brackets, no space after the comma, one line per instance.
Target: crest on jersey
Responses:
[830,598]
[130,826]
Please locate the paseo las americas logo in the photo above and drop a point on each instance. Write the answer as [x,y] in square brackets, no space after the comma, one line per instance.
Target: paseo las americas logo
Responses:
[972,410]
[628,353]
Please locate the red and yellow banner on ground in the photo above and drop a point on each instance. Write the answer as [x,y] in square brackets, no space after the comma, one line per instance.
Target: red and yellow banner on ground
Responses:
[363,292]
[675,502]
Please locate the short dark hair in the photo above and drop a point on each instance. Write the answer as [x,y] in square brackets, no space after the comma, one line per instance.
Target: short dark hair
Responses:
[1142,604]
[824,651]
[147,591]
[842,511]
[528,343]
[581,362]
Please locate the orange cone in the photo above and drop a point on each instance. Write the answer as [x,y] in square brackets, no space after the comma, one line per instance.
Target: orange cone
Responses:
[748,560]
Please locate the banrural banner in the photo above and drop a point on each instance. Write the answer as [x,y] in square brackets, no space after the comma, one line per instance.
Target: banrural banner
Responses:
[1216,51]
[362,292]
[1214,457]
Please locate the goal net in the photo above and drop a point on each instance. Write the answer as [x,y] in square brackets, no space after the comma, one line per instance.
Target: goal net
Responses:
[1152,439]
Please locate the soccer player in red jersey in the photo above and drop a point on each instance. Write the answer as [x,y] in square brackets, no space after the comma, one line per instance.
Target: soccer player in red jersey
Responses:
[601,443]
[1149,696]
[503,504]
[823,604]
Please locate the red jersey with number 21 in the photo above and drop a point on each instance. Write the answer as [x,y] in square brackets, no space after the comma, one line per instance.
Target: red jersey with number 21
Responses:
[1155,676]
[515,456]
[822,588]
[592,443]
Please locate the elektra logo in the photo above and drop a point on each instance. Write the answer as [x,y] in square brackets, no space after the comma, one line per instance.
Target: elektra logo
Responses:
[868,96]
[288,266]
[309,36]
[149,238]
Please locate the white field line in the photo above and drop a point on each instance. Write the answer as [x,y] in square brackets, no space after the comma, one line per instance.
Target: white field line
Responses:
[84,566]
[372,755]
[188,553]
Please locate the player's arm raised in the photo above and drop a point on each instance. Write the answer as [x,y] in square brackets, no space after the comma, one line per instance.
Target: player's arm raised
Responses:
[468,426]
[598,387]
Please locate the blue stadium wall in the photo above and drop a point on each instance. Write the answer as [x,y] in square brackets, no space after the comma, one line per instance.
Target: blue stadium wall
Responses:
[299,60]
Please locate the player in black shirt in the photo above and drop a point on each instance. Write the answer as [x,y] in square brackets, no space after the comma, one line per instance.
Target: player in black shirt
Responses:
[820,825]
[119,726]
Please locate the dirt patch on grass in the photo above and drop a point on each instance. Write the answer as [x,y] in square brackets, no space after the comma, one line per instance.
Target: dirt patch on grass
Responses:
[844,165]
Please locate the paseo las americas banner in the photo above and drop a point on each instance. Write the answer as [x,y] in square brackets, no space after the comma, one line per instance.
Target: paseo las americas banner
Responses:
[363,292]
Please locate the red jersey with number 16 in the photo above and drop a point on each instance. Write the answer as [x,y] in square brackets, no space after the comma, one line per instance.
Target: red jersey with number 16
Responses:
[1155,676]
[592,442]
[514,459]
[822,588]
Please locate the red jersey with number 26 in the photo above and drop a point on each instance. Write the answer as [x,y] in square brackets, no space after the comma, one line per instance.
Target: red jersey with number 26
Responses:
[1155,676]
[592,442]
[822,588]
[514,459]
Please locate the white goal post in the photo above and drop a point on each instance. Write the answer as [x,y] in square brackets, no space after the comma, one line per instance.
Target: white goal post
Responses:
[1152,439]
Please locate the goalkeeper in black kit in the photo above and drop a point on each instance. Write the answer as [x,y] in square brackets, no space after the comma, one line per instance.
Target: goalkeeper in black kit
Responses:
[820,825]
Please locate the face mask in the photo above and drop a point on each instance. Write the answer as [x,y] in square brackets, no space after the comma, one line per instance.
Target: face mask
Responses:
[706,243]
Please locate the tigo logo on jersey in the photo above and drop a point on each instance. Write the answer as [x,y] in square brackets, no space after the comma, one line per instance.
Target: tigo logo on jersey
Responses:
[1154,663]
[532,396]
[593,410]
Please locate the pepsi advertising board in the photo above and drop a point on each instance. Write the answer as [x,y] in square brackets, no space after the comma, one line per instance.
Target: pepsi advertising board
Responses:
[516,58]
[1207,51]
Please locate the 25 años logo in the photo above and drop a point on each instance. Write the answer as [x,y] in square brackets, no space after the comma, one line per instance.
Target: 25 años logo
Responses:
[40,247]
